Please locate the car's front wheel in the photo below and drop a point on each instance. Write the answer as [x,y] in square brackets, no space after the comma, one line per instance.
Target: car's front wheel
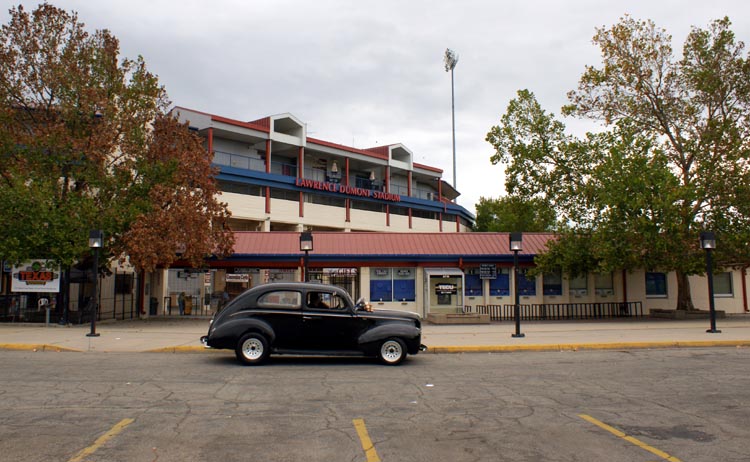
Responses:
[252,349]
[392,351]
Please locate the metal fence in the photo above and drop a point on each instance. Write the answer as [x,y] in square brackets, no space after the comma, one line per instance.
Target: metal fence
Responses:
[26,308]
[23,308]
[560,311]
[194,306]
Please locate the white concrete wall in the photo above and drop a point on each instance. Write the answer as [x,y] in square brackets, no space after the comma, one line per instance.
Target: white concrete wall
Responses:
[244,206]
[399,223]
[425,225]
[322,215]
[636,292]
[366,220]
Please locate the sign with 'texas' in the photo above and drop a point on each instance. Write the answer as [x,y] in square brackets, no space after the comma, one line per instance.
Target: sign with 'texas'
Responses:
[35,276]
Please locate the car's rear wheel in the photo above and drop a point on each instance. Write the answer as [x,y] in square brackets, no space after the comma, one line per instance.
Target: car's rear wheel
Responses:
[252,348]
[392,351]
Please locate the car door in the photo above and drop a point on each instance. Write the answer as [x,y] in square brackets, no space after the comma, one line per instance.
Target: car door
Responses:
[328,322]
[282,310]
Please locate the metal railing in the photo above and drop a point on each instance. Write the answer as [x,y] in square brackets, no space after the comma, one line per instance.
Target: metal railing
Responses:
[560,311]
[25,308]
[281,168]
[194,307]
[239,161]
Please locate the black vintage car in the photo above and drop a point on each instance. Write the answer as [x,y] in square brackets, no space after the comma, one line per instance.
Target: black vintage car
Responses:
[305,318]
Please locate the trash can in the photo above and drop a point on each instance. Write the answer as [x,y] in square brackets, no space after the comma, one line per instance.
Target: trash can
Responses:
[188,306]
[153,305]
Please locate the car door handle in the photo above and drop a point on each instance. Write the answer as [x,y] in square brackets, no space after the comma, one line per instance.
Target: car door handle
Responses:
[310,318]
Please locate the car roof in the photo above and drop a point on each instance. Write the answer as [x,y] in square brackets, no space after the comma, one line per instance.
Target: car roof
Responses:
[297,286]
[304,286]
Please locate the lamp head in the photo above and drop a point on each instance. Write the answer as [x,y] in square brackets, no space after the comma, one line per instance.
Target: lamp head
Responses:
[516,241]
[450,59]
[306,241]
[708,240]
[96,238]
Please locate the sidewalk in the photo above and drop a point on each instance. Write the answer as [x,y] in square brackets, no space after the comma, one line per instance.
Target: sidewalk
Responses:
[183,335]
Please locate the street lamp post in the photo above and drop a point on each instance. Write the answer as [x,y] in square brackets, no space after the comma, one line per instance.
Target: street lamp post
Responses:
[306,245]
[451,59]
[516,240]
[708,243]
[96,240]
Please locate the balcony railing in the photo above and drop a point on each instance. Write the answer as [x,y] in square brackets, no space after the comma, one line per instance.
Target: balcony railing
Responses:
[315,174]
[257,165]
[239,161]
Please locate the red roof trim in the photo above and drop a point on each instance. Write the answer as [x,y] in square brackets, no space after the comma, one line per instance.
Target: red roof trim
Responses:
[346,148]
[427,167]
[380,150]
[239,123]
[264,122]
[255,125]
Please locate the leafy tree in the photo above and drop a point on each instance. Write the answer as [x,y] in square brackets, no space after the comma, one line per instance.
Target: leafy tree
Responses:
[86,143]
[674,160]
[510,213]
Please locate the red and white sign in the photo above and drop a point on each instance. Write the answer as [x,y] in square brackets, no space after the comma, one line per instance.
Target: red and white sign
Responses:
[35,276]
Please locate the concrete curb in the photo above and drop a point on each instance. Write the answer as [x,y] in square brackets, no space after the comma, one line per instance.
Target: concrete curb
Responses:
[439,349]
[37,347]
[587,346]
[183,349]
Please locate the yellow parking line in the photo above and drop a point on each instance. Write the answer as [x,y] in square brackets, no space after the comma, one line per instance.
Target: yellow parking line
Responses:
[101,440]
[364,438]
[629,439]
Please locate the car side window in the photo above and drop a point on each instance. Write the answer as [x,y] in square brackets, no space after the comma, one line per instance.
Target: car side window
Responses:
[325,300]
[285,299]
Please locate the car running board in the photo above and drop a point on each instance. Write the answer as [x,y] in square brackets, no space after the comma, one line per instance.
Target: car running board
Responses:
[284,351]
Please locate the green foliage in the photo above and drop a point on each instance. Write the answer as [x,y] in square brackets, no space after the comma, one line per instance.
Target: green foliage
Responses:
[673,160]
[511,213]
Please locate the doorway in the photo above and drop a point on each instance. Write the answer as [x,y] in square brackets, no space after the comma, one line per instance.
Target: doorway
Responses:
[444,291]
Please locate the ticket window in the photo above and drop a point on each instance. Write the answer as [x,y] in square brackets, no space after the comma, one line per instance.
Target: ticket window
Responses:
[446,294]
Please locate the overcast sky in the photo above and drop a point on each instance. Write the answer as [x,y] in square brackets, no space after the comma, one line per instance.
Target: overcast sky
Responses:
[364,73]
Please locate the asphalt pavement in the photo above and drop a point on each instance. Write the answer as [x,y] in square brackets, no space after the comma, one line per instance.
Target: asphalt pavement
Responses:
[183,335]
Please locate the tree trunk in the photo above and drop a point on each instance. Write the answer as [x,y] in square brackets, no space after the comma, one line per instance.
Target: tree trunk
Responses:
[684,299]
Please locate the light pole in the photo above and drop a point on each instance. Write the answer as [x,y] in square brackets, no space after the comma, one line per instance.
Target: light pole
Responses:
[306,245]
[451,59]
[96,240]
[516,241]
[708,243]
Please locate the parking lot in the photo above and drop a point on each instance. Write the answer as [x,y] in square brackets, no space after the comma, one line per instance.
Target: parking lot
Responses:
[642,405]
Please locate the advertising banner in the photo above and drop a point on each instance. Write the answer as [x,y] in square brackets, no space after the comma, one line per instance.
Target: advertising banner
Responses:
[446,289]
[35,276]
[231,277]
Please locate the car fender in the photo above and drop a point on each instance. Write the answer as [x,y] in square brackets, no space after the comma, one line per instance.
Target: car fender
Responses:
[385,331]
[237,327]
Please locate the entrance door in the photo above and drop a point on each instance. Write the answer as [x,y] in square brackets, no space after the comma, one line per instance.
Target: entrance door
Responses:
[444,291]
